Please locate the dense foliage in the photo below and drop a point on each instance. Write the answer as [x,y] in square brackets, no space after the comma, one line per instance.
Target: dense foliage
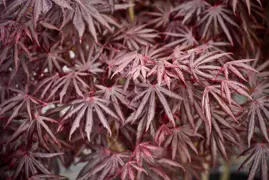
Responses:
[154,89]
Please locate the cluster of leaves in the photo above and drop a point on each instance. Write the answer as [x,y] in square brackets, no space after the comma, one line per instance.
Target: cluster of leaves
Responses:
[154,89]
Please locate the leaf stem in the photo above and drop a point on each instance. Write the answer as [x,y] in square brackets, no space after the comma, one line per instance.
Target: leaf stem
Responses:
[131,10]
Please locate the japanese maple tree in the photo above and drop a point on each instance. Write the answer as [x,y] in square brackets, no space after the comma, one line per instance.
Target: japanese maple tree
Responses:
[155,89]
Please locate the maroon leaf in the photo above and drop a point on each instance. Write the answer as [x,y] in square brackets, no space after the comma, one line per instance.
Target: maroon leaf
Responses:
[256,160]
